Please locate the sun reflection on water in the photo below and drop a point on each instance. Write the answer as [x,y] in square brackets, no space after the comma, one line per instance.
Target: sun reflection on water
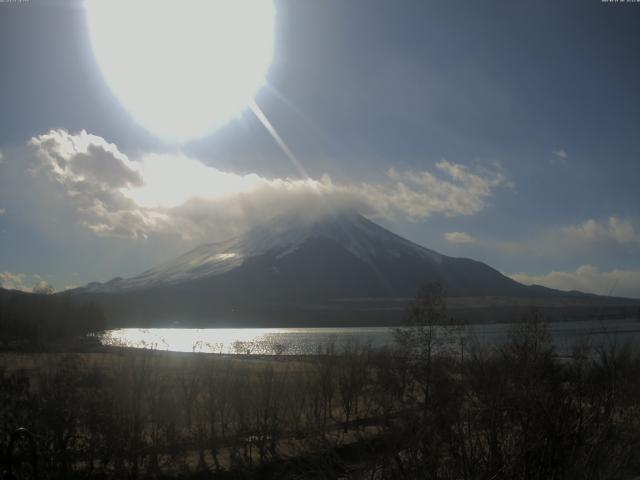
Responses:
[306,341]
[264,341]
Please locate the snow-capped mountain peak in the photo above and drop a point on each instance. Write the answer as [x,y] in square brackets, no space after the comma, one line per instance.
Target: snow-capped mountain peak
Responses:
[280,236]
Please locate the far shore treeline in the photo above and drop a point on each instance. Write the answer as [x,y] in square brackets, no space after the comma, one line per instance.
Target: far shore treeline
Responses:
[35,319]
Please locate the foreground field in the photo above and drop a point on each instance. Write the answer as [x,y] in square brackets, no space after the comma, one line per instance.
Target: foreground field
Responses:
[426,409]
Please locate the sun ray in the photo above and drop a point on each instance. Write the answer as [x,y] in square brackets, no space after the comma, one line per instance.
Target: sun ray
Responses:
[276,136]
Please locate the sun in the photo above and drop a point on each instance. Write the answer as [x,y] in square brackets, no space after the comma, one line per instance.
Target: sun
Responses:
[182,68]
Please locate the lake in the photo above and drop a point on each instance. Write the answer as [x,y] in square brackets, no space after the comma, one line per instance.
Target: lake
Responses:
[304,341]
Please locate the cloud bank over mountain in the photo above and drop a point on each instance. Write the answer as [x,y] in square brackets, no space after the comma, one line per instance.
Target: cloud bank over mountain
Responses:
[114,195]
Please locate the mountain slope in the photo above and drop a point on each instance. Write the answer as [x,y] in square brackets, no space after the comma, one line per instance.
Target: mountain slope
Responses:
[303,272]
[343,254]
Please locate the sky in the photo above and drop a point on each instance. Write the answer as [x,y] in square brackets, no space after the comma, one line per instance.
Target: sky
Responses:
[502,131]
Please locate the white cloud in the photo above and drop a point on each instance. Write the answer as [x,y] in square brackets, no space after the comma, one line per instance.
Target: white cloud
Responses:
[589,279]
[615,229]
[418,195]
[18,281]
[82,160]
[561,153]
[2,211]
[115,196]
[560,157]
[93,173]
[43,288]
[13,281]
[459,237]
[588,236]
[1,157]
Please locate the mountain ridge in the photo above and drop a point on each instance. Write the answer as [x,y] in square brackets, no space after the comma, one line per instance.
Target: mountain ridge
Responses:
[308,270]
[358,235]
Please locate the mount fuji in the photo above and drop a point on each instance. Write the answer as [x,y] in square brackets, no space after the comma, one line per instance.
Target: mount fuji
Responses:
[297,270]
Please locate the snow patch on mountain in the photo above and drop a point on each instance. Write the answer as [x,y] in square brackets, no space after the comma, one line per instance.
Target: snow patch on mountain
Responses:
[280,237]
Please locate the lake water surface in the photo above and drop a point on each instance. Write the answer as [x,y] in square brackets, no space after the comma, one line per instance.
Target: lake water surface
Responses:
[302,341]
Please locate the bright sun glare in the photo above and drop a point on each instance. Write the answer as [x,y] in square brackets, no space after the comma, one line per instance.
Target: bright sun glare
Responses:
[182,68]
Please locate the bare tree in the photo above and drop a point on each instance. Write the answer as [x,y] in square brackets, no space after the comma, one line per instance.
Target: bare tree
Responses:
[425,336]
[352,378]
